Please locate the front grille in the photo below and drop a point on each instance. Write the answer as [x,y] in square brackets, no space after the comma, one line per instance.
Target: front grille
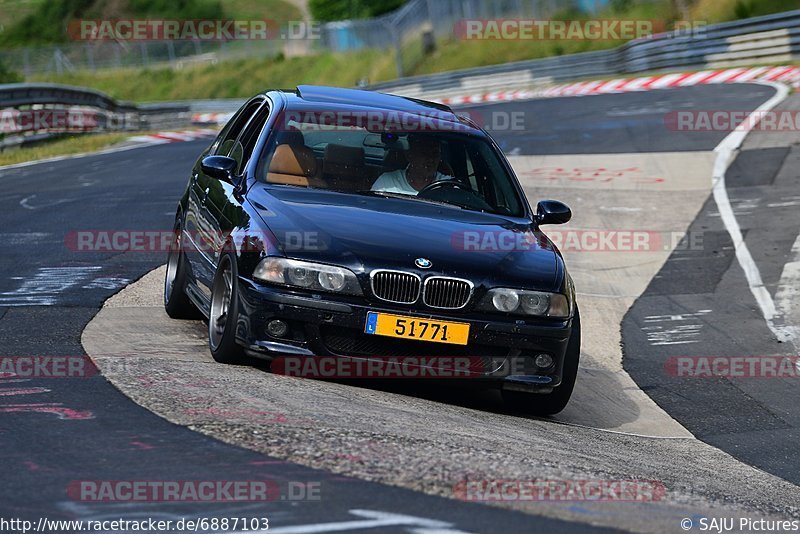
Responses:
[395,286]
[447,293]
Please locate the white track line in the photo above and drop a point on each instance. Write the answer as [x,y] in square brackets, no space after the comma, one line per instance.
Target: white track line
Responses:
[787,295]
[725,151]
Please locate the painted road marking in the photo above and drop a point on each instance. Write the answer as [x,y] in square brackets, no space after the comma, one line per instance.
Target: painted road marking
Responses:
[48,283]
[22,391]
[741,206]
[675,316]
[669,334]
[23,238]
[787,296]
[50,408]
[679,335]
[591,174]
[372,519]
[57,409]
[724,153]
[25,203]
[789,202]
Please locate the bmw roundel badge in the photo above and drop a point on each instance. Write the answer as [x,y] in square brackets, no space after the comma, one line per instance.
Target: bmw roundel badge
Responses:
[423,263]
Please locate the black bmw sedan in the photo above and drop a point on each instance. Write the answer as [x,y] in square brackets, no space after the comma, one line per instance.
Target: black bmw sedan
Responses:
[347,224]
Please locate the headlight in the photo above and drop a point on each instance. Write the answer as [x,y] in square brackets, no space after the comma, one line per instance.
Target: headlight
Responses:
[523,302]
[307,275]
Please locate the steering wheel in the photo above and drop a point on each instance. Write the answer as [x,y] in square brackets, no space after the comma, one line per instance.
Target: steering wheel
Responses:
[441,184]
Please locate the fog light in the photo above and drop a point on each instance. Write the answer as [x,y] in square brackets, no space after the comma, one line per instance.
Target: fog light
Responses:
[277,328]
[543,361]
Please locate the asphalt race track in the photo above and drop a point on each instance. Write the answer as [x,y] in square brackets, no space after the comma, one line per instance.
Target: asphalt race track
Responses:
[58,431]
[755,420]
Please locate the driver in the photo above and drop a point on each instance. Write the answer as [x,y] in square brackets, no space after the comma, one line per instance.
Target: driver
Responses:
[424,157]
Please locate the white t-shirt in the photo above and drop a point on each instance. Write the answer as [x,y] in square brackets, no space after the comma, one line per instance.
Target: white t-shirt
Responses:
[396,182]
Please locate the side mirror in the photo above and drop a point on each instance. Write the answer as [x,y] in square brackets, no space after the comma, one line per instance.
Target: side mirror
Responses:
[552,212]
[219,167]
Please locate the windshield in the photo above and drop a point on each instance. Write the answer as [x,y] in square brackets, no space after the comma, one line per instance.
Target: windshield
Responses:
[452,168]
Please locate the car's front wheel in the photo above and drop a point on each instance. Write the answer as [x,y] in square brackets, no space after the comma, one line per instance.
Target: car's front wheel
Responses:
[554,402]
[225,314]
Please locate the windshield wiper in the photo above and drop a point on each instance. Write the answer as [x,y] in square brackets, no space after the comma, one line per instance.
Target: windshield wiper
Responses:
[387,194]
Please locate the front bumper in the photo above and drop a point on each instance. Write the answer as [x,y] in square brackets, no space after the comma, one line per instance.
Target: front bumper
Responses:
[501,351]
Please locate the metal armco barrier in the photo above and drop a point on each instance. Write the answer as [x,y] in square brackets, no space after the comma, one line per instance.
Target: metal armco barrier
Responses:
[28,110]
[761,40]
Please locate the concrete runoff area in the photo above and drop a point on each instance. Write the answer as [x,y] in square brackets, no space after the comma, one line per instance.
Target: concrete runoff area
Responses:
[430,438]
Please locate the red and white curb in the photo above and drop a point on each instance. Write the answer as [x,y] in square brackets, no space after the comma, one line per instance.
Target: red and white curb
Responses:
[175,137]
[211,118]
[788,75]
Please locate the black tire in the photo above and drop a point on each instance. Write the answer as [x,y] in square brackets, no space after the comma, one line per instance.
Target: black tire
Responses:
[176,301]
[552,403]
[224,314]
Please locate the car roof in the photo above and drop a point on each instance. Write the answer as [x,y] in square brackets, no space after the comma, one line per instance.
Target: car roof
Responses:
[311,96]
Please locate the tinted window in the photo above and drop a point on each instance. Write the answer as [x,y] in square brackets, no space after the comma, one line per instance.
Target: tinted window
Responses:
[242,147]
[414,166]
[234,127]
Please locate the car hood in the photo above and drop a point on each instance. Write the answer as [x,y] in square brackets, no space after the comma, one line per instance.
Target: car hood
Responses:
[365,233]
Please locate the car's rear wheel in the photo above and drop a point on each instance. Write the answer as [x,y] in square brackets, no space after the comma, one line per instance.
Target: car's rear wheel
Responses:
[554,402]
[225,314]
[176,301]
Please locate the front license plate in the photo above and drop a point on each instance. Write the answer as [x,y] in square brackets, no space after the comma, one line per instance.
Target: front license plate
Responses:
[386,324]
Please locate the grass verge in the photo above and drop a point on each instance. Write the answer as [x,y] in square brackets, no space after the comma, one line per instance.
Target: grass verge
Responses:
[62,146]
[241,78]
[235,78]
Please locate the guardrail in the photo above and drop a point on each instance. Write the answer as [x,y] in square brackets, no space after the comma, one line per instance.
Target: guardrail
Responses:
[769,39]
[28,112]
[761,40]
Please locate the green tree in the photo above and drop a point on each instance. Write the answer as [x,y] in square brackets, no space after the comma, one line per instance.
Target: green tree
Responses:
[49,22]
[7,75]
[46,24]
[328,10]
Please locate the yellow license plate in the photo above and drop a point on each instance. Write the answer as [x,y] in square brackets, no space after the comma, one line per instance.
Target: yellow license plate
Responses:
[385,324]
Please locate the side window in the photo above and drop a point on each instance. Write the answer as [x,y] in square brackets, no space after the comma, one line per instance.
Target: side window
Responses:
[235,127]
[473,181]
[242,149]
[499,192]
